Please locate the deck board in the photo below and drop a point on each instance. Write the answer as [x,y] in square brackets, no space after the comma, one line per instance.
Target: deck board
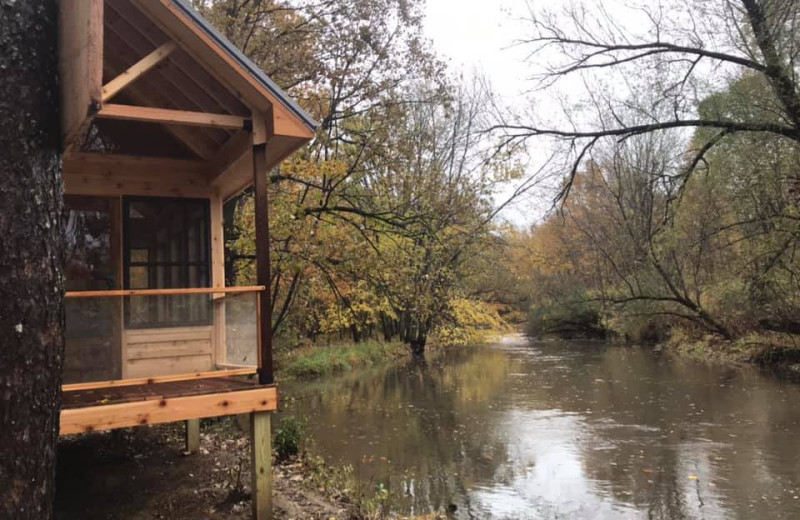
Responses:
[149,391]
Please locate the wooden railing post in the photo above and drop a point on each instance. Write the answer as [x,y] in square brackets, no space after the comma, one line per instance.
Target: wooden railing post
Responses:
[265,375]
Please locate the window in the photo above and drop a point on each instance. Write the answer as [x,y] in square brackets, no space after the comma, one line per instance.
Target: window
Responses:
[166,246]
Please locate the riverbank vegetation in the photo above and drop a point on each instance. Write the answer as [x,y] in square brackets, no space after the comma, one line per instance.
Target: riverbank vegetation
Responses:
[471,322]
[317,360]
[641,254]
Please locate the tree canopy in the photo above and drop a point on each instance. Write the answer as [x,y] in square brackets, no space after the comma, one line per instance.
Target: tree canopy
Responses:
[378,225]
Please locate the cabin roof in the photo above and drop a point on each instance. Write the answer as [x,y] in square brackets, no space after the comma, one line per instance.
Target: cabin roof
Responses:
[254,70]
[152,79]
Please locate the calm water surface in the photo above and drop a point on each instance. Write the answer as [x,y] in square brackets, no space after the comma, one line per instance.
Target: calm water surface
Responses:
[565,430]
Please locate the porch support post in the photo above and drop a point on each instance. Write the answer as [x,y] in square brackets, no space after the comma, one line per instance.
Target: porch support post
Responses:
[192,435]
[265,375]
[261,464]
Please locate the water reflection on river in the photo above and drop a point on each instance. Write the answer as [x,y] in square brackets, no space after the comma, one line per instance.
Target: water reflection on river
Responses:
[556,430]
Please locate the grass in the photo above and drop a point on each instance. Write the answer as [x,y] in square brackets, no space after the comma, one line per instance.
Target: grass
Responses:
[315,361]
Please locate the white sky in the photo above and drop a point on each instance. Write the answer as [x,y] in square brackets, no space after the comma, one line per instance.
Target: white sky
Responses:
[483,36]
[479,35]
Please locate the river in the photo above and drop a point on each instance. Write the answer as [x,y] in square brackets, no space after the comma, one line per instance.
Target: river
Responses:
[546,430]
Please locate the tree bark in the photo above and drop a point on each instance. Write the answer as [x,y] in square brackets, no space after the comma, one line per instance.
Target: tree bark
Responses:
[31,258]
[418,342]
[417,346]
[778,71]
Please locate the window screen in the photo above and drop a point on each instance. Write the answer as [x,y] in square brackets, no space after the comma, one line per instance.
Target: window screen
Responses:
[90,236]
[167,247]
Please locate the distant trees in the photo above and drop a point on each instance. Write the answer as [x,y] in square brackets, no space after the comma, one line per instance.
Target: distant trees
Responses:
[31,259]
[646,250]
[678,202]
[437,172]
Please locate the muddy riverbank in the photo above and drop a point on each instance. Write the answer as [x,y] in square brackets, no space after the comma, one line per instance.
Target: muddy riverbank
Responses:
[142,474]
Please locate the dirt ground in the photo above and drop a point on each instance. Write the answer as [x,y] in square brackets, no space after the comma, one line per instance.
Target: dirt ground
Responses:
[142,474]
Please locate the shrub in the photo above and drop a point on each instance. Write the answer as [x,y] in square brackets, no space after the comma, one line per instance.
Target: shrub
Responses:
[567,320]
[468,322]
[638,327]
[288,438]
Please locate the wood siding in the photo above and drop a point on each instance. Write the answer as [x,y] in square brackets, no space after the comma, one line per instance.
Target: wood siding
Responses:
[168,351]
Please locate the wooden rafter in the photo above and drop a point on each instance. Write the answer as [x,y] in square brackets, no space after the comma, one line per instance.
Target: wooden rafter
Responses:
[173,117]
[234,148]
[200,143]
[221,65]
[135,71]
[143,92]
[164,87]
[149,92]
[174,88]
[142,34]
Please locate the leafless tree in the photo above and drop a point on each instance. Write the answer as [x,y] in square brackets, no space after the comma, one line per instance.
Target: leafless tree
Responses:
[649,73]
[628,224]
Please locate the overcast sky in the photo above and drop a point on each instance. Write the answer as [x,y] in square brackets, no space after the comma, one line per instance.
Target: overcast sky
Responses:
[484,35]
[480,35]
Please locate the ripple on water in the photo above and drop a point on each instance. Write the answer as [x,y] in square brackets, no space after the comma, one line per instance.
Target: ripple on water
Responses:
[565,430]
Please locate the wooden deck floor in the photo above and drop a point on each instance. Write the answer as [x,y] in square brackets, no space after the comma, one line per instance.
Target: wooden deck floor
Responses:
[158,402]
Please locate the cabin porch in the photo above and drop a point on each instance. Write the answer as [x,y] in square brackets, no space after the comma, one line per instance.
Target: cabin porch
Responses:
[163,121]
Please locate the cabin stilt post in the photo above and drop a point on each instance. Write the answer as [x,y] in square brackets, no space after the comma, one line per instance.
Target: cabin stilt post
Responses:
[261,464]
[192,435]
[265,375]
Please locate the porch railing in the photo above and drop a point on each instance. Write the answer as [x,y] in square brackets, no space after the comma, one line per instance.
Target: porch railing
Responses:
[122,337]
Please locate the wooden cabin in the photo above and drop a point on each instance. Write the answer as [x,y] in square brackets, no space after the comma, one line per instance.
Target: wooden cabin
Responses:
[163,120]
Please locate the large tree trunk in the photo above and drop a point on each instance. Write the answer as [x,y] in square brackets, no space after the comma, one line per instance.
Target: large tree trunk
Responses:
[418,342]
[417,346]
[31,258]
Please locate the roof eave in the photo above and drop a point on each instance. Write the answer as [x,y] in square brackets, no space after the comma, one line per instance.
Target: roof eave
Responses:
[254,71]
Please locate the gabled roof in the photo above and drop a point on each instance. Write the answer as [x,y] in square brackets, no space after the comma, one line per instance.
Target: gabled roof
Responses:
[152,78]
[245,62]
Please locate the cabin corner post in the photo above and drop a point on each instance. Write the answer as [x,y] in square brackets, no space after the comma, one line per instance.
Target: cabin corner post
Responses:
[80,49]
[261,200]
